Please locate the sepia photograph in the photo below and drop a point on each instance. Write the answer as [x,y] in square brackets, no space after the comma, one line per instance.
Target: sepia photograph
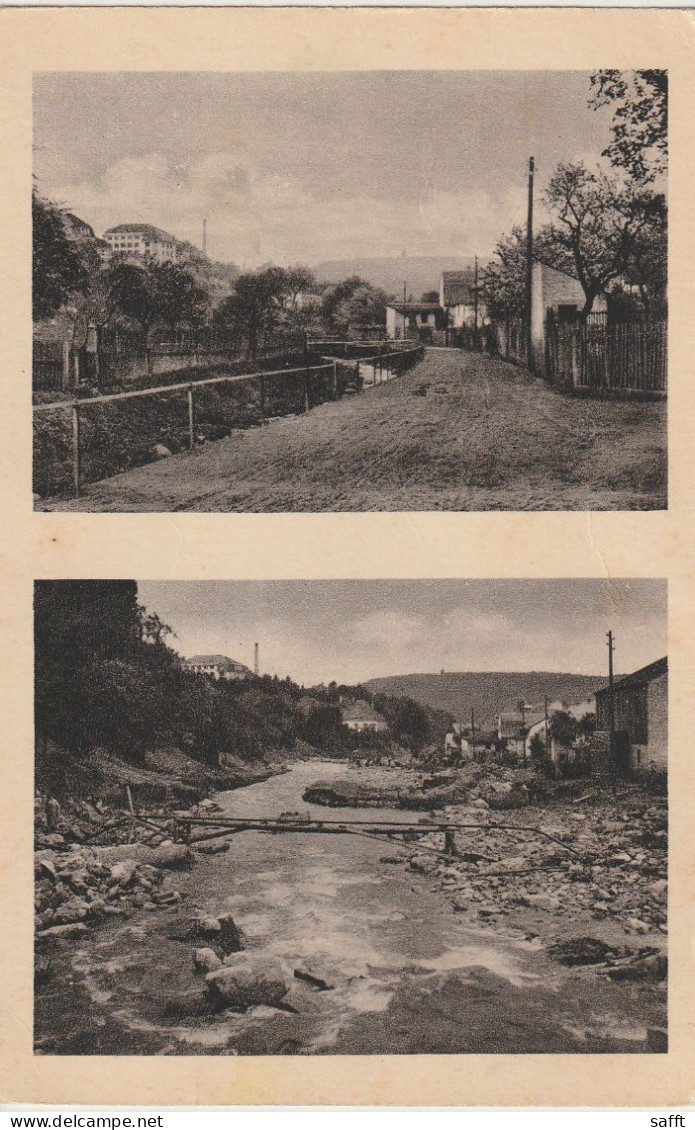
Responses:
[358,817]
[407,290]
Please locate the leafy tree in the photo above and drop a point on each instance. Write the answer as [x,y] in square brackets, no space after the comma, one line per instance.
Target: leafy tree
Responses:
[430,296]
[133,294]
[58,269]
[596,227]
[563,727]
[178,297]
[366,305]
[335,295]
[640,119]
[504,279]
[298,279]
[254,304]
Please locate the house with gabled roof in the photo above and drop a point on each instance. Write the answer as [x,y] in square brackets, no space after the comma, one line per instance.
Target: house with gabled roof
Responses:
[637,714]
[359,716]
[217,667]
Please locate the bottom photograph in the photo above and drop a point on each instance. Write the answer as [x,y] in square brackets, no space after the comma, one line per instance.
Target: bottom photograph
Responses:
[350,817]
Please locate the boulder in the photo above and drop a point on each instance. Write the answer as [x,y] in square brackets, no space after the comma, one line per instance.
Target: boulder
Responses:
[206,960]
[658,890]
[244,981]
[68,930]
[209,927]
[544,902]
[314,975]
[72,910]
[159,451]
[124,872]
[173,857]
[230,938]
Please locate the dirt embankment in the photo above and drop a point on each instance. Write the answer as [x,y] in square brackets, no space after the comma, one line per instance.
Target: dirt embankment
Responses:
[104,844]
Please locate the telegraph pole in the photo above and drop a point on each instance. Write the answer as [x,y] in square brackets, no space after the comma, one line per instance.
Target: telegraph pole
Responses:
[405,298]
[611,703]
[205,235]
[529,264]
[475,295]
[547,735]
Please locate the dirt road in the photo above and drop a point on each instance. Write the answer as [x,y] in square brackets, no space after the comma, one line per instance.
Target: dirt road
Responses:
[459,432]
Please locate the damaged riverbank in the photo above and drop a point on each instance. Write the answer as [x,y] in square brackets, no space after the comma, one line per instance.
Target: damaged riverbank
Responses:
[339,944]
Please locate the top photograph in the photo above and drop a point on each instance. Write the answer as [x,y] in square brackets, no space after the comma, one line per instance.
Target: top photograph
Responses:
[294,292]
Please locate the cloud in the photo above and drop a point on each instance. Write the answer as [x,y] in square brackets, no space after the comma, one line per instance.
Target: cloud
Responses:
[254,217]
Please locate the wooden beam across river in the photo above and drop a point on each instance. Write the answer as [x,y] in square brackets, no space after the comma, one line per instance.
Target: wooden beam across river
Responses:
[229,825]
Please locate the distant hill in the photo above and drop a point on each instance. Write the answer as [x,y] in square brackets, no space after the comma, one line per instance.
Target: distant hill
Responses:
[488,692]
[420,273]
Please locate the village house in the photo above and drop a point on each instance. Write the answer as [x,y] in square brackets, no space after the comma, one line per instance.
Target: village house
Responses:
[361,717]
[559,296]
[457,298]
[416,320]
[456,747]
[638,718]
[143,241]
[217,667]
[513,728]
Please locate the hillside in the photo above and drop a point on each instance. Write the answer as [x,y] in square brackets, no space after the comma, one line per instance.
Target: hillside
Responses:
[487,692]
[420,273]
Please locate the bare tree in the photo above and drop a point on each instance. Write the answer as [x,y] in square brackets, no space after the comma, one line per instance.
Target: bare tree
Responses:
[596,226]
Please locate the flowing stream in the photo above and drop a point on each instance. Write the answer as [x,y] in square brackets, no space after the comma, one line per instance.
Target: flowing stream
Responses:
[345,907]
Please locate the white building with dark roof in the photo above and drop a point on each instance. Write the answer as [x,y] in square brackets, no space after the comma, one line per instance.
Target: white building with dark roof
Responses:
[217,667]
[360,716]
[144,241]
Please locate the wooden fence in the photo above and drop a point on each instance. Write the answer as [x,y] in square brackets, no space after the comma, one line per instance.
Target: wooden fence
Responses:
[608,359]
[313,385]
[127,354]
[52,364]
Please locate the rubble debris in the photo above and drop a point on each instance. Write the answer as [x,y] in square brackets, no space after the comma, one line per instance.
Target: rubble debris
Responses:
[81,886]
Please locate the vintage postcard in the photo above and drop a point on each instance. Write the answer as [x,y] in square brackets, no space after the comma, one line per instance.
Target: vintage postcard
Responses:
[244,282]
[348,604]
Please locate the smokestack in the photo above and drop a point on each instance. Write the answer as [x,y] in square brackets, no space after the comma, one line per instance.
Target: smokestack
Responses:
[255,659]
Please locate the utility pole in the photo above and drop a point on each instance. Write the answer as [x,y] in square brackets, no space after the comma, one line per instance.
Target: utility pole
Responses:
[547,734]
[475,295]
[405,294]
[255,659]
[205,235]
[611,703]
[529,264]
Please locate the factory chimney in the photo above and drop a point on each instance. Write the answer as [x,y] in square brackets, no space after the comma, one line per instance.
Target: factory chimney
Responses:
[255,659]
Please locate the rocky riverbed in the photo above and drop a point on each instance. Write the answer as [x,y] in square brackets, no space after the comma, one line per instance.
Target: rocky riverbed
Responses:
[311,944]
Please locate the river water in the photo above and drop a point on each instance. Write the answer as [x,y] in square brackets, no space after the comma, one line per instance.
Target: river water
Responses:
[405,974]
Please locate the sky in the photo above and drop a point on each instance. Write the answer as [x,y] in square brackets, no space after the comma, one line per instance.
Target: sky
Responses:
[349,631]
[304,167]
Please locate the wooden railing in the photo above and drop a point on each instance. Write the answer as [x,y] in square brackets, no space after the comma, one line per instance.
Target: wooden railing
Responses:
[335,374]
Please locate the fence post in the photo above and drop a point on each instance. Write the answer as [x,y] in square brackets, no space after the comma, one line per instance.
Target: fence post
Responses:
[306,391]
[76,449]
[76,365]
[334,380]
[191,417]
[65,383]
[262,398]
